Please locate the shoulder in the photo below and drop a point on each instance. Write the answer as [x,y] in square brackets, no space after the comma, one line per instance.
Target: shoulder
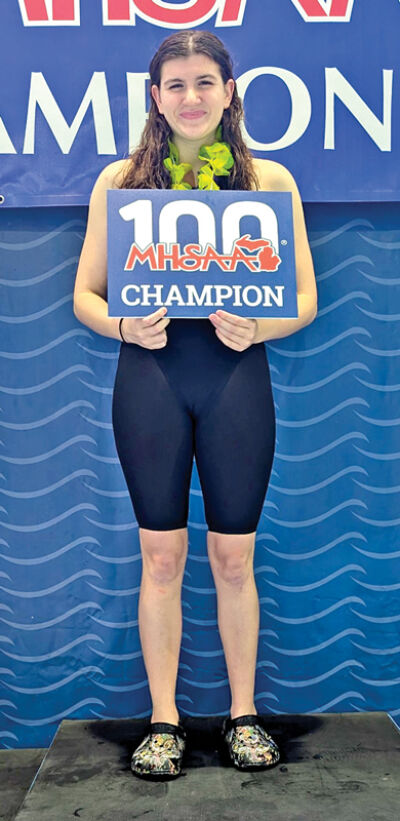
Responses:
[111,176]
[272,176]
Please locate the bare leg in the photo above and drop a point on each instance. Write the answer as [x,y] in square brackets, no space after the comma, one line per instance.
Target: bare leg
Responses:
[160,615]
[231,559]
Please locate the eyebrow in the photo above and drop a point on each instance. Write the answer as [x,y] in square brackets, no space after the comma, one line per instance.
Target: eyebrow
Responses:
[179,79]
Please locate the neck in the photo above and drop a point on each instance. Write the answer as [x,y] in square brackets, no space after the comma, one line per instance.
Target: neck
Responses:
[189,149]
[215,160]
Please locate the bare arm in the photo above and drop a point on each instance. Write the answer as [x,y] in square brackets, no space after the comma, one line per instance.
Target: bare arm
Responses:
[90,294]
[280,179]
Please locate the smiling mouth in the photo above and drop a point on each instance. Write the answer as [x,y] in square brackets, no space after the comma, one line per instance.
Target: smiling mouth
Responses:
[192,115]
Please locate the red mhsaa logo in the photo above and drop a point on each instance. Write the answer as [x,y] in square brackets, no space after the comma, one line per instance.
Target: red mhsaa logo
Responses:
[255,254]
[160,13]
[123,12]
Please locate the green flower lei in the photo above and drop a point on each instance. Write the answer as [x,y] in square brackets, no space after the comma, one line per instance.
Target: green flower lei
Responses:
[217,158]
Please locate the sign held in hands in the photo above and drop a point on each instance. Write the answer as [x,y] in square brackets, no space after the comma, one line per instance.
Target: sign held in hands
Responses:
[197,251]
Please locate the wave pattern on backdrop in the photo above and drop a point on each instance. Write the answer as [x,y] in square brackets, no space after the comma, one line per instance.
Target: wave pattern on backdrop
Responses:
[326,549]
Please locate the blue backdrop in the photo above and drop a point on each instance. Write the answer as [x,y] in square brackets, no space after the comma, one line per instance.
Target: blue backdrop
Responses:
[319,97]
[327,553]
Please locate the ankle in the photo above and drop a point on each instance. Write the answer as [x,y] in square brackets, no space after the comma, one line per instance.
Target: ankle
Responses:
[249,710]
[166,716]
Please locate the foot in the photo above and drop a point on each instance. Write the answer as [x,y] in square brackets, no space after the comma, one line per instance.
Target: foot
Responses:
[248,744]
[160,754]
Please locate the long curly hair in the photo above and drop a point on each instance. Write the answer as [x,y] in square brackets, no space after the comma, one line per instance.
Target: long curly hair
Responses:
[146,166]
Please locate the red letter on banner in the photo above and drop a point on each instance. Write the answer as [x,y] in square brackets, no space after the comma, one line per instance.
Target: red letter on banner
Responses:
[200,9]
[118,10]
[63,10]
[339,8]
[313,8]
[36,11]
[232,12]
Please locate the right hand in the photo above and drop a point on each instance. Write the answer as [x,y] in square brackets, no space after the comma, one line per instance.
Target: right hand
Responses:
[147,331]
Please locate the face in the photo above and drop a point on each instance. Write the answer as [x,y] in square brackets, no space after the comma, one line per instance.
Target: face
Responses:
[192,96]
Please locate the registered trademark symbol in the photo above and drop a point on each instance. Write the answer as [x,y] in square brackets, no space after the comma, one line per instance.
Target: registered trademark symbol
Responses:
[284,242]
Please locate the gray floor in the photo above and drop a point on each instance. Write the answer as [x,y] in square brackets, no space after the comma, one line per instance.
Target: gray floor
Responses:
[334,766]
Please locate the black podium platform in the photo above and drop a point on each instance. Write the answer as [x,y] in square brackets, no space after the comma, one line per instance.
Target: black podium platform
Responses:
[334,767]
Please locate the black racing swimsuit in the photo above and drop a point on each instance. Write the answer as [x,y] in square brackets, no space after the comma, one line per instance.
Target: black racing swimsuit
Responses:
[195,397]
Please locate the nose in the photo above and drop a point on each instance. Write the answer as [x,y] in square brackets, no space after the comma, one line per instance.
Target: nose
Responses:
[192,95]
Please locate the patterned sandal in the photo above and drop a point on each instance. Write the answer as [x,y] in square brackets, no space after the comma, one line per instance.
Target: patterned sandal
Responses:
[160,754]
[249,746]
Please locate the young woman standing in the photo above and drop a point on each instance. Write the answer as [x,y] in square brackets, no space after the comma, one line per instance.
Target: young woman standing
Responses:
[194,387]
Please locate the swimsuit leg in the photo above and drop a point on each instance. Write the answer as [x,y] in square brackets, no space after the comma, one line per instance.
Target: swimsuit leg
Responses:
[154,439]
[234,444]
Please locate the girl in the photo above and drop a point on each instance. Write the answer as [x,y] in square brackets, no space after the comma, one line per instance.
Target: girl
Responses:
[194,387]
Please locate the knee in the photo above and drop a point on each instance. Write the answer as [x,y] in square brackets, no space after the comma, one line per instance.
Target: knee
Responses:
[231,561]
[164,556]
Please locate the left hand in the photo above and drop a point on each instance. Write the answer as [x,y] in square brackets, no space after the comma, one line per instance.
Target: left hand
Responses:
[237,332]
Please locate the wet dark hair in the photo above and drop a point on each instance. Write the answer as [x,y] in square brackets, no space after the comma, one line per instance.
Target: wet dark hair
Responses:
[146,167]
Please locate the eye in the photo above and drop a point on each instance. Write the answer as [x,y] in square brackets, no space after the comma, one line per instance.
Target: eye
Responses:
[175,86]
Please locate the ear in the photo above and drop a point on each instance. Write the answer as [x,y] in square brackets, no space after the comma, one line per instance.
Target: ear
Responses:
[155,93]
[229,89]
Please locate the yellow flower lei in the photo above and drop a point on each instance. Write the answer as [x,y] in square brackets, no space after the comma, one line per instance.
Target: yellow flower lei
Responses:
[218,161]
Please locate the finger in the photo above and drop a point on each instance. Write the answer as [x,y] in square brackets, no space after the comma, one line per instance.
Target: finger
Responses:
[153,340]
[155,346]
[233,319]
[157,327]
[241,328]
[232,331]
[159,341]
[151,319]
[228,341]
